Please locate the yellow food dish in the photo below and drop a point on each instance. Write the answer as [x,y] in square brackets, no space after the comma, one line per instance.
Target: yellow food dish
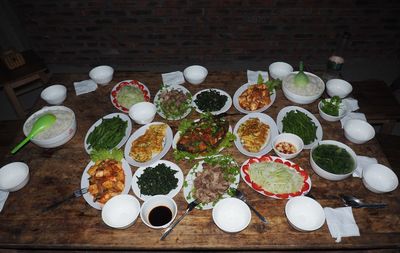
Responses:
[149,144]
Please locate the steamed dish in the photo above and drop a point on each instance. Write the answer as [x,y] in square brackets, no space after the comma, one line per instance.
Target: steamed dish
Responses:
[314,86]
[129,95]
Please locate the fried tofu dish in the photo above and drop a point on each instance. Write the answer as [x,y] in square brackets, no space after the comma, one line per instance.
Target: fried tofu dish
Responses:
[254,97]
[149,144]
[253,134]
[107,179]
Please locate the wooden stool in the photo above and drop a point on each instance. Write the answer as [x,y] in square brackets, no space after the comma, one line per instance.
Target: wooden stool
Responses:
[23,77]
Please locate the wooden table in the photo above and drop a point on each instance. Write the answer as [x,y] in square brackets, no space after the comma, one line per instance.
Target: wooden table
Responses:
[57,172]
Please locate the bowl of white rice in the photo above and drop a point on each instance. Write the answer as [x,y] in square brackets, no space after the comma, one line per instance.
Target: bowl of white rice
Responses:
[59,133]
[303,94]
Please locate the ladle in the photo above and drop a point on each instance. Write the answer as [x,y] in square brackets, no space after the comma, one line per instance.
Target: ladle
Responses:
[357,203]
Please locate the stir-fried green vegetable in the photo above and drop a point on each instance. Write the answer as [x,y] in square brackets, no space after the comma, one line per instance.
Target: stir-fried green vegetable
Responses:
[300,124]
[108,134]
[331,106]
[210,100]
[158,180]
[301,79]
[333,159]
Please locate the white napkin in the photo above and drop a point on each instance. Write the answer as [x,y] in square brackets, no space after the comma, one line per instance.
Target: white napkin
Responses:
[3,198]
[85,86]
[341,222]
[363,162]
[252,76]
[353,115]
[173,78]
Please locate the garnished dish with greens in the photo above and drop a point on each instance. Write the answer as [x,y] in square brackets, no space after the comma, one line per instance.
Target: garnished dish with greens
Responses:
[173,102]
[203,137]
[210,180]
[160,178]
[333,159]
[331,106]
[214,101]
[275,177]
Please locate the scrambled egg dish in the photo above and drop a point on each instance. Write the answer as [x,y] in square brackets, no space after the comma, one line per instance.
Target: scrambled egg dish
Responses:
[144,147]
[253,134]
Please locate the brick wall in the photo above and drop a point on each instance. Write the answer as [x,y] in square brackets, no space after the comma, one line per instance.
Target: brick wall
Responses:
[140,34]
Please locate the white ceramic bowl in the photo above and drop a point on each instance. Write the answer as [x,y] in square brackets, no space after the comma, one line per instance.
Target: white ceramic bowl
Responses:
[280,70]
[338,87]
[54,94]
[121,211]
[358,131]
[154,202]
[327,117]
[290,138]
[142,113]
[101,74]
[301,99]
[231,215]
[14,176]
[61,138]
[379,178]
[195,74]
[328,175]
[304,213]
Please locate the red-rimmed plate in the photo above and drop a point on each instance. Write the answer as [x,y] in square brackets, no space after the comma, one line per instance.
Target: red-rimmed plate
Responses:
[244,171]
[116,89]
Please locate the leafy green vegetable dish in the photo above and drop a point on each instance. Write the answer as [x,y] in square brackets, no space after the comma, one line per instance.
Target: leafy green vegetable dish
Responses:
[333,159]
[108,134]
[300,124]
[158,180]
[331,106]
[210,100]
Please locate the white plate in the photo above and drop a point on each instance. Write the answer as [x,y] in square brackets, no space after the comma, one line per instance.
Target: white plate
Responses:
[85,183]
[273,131]
[140,170]
[225,108]
[282,114]
[241,90]
[172,87]
[128,129]
[167,144]
[120,85]
[188,186]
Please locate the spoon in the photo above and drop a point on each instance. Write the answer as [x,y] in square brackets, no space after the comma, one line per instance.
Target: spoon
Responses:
[240,195]
[40,125]
[357,203]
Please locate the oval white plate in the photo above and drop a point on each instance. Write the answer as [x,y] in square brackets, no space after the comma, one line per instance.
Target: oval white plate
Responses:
[140,170]
[128,129]
[242,110]
[172,87]
[225,108]
[167,144]
[273,131]
[189,181]
[118,87]
[85,183]
[282,114]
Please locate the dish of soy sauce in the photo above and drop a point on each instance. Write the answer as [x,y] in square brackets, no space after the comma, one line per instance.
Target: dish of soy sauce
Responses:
[160,216]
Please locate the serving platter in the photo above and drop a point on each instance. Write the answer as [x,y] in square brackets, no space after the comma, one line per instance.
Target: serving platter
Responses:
[241,90]
[85,183]
[128,129]
[225,108]
[117,88]
[282,113]
[244,172]
[140,171]
[273,132]
[188,186]
[169,88]
[141,131]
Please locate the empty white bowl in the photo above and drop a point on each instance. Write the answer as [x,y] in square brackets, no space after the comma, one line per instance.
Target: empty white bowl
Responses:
[293,139]
[153,216]
[195,74]
[304,213]
[327,117]
[379,178]
[54,94]
[14,176]
[143,112]
[121,211]
[101,74]
[231,215]
[338,87]
[358,131]
[280,70]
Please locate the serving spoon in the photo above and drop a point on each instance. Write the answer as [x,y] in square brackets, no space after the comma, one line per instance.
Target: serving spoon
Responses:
[41,124]
[357,203]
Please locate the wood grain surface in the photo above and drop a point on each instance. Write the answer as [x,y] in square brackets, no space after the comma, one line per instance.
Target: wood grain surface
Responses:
[56,173]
